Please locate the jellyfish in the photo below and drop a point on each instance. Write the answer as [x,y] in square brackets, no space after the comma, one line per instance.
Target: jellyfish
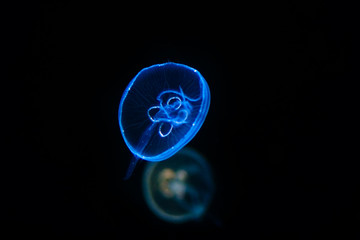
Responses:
[179,189]
[161,110]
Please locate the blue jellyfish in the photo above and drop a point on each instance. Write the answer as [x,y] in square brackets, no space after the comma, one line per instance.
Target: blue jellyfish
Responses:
[179,189]
[161,110]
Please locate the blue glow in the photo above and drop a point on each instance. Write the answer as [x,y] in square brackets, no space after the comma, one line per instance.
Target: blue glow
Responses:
[161,110]
[179,189]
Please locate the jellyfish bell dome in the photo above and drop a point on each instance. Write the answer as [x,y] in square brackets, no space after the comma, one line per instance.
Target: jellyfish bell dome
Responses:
[179,189]
[162,109]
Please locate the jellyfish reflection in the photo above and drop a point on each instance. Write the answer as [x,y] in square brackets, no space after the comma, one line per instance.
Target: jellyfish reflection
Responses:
[179,189]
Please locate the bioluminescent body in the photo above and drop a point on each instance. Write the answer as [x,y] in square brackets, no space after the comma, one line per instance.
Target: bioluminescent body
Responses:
[179,189]
[161,110]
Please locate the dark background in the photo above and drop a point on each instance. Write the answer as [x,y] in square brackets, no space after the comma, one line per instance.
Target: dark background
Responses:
[278,136]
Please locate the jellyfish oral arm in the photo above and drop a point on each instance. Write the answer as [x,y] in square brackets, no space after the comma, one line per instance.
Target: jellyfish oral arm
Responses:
[144,140]
[172,112]
[131,167]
